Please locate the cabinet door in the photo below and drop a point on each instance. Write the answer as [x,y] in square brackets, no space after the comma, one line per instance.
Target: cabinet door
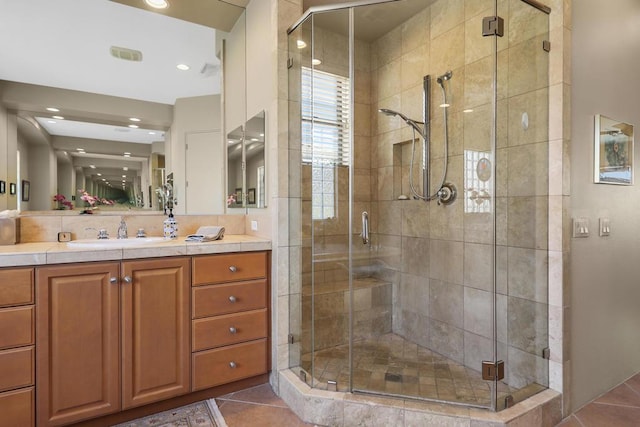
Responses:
[155,330]
[77,361]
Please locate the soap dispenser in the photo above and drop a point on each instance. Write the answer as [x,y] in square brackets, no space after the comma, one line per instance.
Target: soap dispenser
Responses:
[170,226]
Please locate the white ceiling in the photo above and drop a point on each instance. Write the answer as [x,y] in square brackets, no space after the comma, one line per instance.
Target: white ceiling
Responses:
[66,43]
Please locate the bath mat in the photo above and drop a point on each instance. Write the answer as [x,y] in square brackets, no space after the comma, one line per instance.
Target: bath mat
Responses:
[200,414]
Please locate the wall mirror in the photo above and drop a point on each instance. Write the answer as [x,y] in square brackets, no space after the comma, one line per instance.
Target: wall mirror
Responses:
[139,167]
[235,176]
[255,161]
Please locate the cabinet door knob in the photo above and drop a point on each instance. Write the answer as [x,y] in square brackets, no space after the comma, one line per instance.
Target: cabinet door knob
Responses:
[232,365]
[232,330]
[233,268]
[127,279]
[113,280]
[232,299]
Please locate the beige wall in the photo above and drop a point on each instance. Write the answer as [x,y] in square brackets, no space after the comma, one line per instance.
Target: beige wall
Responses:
[605,294]
[4,155]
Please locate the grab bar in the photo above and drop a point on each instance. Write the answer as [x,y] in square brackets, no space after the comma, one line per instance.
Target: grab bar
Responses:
[365,228]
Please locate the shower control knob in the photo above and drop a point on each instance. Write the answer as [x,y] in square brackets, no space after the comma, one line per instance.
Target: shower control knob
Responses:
[232,299]
[233,269]
[232,330]
[232,365]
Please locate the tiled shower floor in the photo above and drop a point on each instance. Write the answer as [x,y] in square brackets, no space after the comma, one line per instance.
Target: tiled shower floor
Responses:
[393,365]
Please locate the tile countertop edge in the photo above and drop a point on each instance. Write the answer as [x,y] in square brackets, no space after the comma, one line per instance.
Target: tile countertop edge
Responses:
[43,253]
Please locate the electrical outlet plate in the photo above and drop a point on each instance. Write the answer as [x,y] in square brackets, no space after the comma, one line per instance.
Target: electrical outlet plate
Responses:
[254,225]
[64,236]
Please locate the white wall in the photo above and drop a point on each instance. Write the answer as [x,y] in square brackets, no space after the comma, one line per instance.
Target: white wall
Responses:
[605,292]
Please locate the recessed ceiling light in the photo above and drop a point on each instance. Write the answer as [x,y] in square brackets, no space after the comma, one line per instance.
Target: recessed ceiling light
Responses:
[92,166]
[125,168]
[133,126]
[152,133]
[468,110]
[315,61]
[254,139]
[99,174]
[262,134]
[124,176]
[58,117]
[445,105]
[301,44]
[182,67]
[134,119]
[158,4]
[80,149]
[53,109]
[104,179]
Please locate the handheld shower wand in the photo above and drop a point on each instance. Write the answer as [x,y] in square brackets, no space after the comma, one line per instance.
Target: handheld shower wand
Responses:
[413,123]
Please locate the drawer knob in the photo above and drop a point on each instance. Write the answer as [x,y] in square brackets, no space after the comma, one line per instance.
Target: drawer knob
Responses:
[233,269]
[113,280]
[232,365]
[232,330]
[232,299]
[127,279]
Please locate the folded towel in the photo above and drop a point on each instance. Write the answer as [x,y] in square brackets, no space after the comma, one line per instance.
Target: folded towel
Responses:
[207,233]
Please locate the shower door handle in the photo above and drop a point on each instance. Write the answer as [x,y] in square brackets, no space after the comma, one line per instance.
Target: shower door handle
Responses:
[365,228]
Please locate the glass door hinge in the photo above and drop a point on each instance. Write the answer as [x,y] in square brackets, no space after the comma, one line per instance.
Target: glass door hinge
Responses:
[492,26]
[290,338]
[289,62]
[492,371]
[546,353]
[546,45]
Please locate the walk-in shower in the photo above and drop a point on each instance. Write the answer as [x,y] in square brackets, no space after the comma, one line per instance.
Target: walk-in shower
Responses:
[392,103]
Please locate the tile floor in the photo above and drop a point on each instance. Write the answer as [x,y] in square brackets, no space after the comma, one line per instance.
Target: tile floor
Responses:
[257,407]
[619,407]
[393,365]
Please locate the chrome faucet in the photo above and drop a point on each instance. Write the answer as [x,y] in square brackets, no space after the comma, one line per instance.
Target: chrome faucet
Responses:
[122,230]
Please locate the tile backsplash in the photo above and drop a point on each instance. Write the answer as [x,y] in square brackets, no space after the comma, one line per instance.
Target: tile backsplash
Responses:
[45,227]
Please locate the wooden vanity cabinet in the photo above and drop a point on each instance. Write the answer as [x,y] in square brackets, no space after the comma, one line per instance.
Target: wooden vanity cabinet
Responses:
[110,336]
[230,312]
[17,351]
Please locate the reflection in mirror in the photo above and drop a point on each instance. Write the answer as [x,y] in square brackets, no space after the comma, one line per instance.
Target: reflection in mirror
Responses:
[255,160]
[90,82]
[235,178]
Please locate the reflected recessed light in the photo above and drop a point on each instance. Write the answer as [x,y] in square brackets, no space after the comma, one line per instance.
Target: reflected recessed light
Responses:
[80,149]
[445,105]
[127,155]
[99,174]
[152,133]
[58,117]
[315,61]
[134,119]
[182,67]
[301,44]
[52,121]
[468,110]
[254,139]
[124,176]
[53,109]
[158,4]
[133,126]
[92,166]
[104,179]
[262,134]
[125,168]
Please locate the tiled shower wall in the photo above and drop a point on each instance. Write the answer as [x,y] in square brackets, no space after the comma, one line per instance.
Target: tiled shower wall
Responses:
[443,291]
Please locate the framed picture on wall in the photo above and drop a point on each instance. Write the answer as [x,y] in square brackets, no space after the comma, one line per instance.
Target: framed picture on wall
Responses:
[613,153]
[251,196]
[26,190]
[12,188]
[3,187]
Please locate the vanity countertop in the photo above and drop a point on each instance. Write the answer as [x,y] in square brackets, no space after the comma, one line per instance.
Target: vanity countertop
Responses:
[60,253]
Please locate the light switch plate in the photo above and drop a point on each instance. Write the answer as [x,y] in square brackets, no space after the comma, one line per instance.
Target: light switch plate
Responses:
[581,227]
[64,236]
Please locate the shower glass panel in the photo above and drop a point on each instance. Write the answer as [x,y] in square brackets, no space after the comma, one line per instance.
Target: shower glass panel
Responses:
[391,294]
[523,203]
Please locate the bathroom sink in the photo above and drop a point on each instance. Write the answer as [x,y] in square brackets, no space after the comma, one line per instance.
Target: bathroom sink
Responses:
[115,243]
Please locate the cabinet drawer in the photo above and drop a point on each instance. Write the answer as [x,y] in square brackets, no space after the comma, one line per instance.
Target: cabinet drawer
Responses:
[16,327]
[16,368]
[229,329]
[229,268]
[17,408]
[16,287]
[228,364]
[214,300]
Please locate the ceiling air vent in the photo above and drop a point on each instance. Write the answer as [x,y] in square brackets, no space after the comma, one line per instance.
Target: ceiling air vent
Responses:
[126,54]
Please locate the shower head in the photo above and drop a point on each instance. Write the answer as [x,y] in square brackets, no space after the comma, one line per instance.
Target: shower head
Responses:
[443,78]
[413,123]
